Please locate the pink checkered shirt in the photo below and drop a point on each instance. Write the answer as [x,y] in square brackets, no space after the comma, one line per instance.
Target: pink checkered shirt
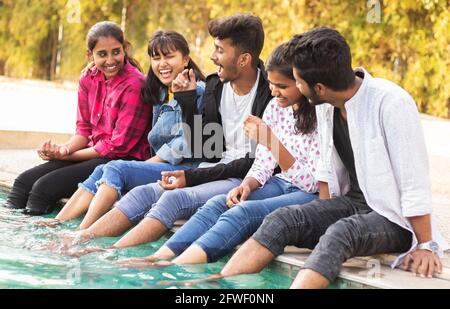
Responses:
[112,115]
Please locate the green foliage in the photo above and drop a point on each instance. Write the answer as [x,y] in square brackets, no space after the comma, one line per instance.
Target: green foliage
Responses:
[410,45]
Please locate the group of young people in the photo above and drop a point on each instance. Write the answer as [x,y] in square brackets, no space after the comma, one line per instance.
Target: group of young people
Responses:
[303,150]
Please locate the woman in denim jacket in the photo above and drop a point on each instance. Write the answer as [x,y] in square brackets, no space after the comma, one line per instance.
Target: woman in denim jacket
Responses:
[172,74]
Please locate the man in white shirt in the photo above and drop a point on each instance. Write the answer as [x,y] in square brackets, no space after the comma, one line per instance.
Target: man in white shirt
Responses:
[374,163]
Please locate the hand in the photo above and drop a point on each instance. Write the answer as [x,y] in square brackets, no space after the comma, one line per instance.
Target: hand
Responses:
[256,129]
[88,68]
[43,156]
[238,195]
[424,262]
[185,81]
[50,151]
[43,150]
[173,180]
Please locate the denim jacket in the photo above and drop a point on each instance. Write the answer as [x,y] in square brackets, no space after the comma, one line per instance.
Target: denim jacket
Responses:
[167,137]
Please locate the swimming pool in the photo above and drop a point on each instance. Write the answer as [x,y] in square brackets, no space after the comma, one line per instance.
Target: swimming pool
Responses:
[24,265]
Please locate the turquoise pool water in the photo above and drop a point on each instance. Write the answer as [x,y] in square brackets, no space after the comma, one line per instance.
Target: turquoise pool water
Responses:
[24,264]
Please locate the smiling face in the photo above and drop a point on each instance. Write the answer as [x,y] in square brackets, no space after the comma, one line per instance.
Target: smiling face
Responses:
[167,67]
[225,57]
[108,56]
[283,89]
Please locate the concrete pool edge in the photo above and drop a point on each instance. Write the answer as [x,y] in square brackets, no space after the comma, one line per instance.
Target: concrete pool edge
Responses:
[359,272]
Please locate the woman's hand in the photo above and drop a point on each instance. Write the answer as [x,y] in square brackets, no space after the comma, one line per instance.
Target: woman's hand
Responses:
[238,195]
[257,130]
[50,151]
[185,81]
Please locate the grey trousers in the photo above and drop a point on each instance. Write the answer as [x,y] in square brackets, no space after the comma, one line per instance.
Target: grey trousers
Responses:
[336,230]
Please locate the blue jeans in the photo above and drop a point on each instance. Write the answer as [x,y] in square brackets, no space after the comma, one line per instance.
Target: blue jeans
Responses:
[125,175]
[218,230]
[171,205]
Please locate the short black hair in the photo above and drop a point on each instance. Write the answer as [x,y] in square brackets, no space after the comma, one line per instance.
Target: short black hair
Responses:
[245,32]
[322,55]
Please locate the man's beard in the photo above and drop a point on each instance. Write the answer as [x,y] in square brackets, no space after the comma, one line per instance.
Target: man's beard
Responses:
[314,99]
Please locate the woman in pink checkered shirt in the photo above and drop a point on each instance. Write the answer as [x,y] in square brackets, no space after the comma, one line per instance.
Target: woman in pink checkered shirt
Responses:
[112,123]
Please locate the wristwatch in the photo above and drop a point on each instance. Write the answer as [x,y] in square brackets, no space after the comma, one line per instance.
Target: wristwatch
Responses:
[429,245]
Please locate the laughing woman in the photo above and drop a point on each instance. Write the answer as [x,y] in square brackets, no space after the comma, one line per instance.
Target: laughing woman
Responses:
[112,123]
[287,137]
[172,73]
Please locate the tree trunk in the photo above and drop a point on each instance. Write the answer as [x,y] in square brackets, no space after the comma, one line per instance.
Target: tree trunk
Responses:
[123,23]
[2,67]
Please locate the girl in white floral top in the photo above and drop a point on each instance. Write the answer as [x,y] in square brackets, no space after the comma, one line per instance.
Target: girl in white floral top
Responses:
[302,147]
[287,137]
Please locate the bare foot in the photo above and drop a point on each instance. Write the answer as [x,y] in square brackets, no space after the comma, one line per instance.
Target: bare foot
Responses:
[66,241]
[88,250]
[150,261]
[51,223]
[211,278]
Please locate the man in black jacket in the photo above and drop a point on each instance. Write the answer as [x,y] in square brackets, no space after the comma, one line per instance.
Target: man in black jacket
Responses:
[238,89]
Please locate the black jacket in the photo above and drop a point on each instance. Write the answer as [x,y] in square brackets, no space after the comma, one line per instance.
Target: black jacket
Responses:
[213,93]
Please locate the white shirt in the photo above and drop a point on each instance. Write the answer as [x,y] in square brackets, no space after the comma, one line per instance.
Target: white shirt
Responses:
[303,147]
[391,160]
[234,109]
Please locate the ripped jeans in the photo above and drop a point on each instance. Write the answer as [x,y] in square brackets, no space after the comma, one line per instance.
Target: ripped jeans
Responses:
[125,175]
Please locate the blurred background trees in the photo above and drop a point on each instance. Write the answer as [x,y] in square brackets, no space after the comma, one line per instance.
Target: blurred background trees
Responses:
[406,41]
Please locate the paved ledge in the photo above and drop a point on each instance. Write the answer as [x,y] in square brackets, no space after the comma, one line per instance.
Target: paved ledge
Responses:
[359,272]
[21,139]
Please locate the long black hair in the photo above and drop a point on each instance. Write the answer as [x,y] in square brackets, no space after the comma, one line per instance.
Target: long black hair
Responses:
[165,42]
[305,113]
[107,29]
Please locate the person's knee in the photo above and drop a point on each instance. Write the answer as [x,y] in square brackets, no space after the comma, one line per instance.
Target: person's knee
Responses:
[24,179]
[341,234]
[214,207]
[115,166]
[98,172]
[41,186]
[218,199]
[114,175]
[216,203]
[174,198]
[238,214]
[283,215]
[140,192]
[284,221]
[39,201]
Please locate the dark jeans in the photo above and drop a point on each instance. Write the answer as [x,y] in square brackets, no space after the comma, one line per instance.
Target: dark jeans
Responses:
[39,188]
[337,229]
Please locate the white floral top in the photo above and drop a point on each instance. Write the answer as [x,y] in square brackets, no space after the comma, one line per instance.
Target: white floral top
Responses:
[303,147]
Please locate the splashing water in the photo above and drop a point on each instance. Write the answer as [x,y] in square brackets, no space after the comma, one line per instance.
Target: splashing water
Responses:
[25,264]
